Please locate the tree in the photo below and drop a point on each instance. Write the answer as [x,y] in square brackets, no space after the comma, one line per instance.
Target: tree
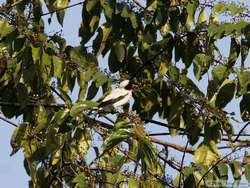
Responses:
[156,44]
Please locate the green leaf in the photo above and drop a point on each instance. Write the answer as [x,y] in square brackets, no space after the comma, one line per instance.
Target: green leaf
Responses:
[116,56]
[247,172]
[176,110]
[109,7]
[82,141]
[194,124]
[77,108]
[80,181]
[203,16]
[201,64]
[65,96]
[212,131]
[21,93]
[244,49]
[120,51]
[127,13]
[41,119]
[190,85]
[174,14]
[173,73]
[81,107]
[90,19]
[220,73]
[224,94]
[36,54]
[92,91]
[60,116]
[114,65]
[132,182]
[232,7]
[90,5]
[6,28]
[17,137]
[236,170]
[206,154]
[58,66]
[100,78]
[245,107]
[116,138]
[191,8]
[244,82]
[219,31]
[101,42]
[222,170]
[61,4]
[234,52]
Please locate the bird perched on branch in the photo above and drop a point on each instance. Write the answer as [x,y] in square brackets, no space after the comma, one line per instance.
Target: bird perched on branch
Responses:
[118,97]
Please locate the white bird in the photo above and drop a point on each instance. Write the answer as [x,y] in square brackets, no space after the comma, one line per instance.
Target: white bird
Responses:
[119,96]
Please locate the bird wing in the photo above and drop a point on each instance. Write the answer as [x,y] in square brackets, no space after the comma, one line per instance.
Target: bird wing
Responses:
[114,96]
[123,100]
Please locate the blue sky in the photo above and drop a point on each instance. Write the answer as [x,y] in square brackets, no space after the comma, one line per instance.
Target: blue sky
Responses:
[12,173]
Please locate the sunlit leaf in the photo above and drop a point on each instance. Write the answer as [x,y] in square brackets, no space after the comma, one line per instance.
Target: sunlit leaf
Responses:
[17,137]
[236,170]
[80,181]
[206,154]
[116,138]
[61,4]
[247,172]
[82,107]
[191,8]
[6,28]
[60,116]
[245,108]
[222,7]
[244,82]
[102,40]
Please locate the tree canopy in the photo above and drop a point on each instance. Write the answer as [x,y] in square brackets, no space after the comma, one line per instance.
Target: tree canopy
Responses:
[165,48]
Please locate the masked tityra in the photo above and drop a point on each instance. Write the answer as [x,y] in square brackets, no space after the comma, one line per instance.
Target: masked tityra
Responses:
[119,96]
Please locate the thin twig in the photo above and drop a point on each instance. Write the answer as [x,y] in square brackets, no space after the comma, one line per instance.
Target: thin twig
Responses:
[8,121]
[239,134]
[63,8]
[57,93]
[110,120]
[201,134]
[182,162]
[169,162]
[243,145]
[50,105]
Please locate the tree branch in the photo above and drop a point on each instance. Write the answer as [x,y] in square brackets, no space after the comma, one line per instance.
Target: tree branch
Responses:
[181,167]
[51,105]
[162,124]
[239,134]
[155,175]
[169,162]
[174,146]
[59,9]
[8,121]
[201,134]
[57,93]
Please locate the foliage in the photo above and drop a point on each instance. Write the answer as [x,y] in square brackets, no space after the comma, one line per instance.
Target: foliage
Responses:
[164,48]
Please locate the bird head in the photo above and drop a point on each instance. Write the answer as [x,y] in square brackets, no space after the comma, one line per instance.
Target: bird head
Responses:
[125,84]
